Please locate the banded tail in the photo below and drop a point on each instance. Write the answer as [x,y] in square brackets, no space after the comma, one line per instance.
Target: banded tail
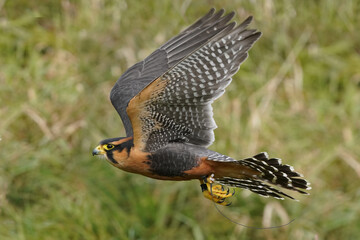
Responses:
[271,171]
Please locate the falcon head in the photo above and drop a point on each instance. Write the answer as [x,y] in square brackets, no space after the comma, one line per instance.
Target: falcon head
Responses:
[108,148]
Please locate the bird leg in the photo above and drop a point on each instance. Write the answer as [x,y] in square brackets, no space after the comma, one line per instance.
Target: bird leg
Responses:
[215,192]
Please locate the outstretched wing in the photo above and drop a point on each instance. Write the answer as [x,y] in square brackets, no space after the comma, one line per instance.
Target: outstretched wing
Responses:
[176,107]
[172,52]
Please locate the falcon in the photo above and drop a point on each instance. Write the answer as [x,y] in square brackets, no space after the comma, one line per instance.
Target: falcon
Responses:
[165,102]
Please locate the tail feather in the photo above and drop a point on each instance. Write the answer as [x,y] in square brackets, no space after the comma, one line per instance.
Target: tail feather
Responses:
[255,186]
[271,171]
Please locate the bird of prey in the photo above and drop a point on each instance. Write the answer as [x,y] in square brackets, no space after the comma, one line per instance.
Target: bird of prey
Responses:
[165,102]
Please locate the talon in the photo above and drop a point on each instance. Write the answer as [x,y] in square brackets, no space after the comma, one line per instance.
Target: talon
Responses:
[215,192]
[223,203]
[203,187]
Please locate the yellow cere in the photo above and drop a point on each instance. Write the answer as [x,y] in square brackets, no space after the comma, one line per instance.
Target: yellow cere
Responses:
[100,149]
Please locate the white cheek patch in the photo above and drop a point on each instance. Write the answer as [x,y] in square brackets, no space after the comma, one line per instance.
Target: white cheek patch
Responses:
[102,156]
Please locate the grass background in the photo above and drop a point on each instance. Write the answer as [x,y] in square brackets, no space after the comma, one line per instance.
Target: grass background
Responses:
[297,97]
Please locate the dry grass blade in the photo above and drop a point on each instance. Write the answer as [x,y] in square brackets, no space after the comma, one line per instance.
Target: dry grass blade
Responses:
[40,121]
[350,160]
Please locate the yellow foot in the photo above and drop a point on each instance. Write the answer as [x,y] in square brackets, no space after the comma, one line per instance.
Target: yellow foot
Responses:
[215,192]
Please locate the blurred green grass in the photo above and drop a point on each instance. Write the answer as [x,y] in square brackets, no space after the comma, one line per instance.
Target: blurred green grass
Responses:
[297,96]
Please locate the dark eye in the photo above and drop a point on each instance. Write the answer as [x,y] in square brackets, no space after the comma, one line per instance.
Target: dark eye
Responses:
[108,146]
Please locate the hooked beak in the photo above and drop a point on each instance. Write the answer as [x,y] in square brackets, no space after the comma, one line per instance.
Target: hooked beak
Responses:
[98,151]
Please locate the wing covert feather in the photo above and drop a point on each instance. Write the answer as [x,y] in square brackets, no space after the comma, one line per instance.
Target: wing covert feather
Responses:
[176,107]
[137,77]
